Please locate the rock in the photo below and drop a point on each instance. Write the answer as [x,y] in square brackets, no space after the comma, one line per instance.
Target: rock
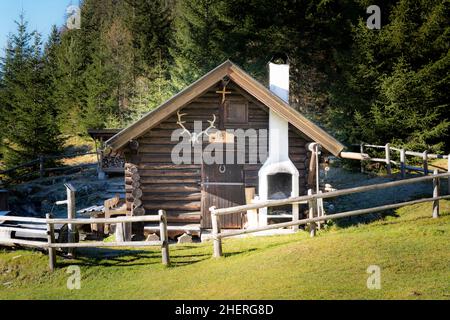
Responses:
[185,238]
[152,237]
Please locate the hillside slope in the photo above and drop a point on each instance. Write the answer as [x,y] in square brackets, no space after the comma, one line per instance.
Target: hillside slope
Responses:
[412,250]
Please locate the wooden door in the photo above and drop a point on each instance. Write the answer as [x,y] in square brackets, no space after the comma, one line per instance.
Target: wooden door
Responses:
[222,187]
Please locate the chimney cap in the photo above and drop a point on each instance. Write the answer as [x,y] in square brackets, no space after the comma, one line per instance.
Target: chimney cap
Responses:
[280,58]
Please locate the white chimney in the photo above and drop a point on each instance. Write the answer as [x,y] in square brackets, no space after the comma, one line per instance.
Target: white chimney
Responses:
[278,160]
[278,127]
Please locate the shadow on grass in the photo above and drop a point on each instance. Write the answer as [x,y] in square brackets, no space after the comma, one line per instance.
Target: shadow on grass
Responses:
[92,257]
[113,258]
[365,219]
[76,149]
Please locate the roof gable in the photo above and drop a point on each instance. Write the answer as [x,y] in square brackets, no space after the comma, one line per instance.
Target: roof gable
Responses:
[246,82]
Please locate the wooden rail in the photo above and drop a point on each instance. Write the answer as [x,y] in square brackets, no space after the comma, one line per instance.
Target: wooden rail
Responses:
[51,244]
[312,200]
[42,170]
[425,156]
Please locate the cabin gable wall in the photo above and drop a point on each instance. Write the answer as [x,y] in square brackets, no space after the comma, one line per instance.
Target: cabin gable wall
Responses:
[177,188]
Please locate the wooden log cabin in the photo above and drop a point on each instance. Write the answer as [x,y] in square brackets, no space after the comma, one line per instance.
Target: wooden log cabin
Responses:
[229,99]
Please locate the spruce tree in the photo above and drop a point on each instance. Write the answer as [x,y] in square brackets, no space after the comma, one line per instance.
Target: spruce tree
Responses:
[31,128]
[396,87]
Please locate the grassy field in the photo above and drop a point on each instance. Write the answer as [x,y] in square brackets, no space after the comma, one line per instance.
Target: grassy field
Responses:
[411,248]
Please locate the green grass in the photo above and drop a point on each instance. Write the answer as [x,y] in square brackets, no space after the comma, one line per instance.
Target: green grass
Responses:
[412,250]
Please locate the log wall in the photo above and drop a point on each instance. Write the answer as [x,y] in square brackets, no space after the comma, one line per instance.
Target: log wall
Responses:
[177,188]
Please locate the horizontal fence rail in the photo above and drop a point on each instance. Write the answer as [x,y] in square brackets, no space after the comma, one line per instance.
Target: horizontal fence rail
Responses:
[51,244]
[312,200]
[333,194]
[402,165]
[41,170]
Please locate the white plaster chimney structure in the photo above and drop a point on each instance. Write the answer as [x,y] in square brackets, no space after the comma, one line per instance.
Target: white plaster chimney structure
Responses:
[278,161]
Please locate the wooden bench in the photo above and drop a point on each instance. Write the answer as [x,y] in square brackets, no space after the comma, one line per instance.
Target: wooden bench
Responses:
[111,208]
[114,208]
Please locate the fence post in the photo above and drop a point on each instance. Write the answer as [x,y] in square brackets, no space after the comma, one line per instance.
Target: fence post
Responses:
[312,213]
[362,152]
[425,163]
[448,170]
[436,195]
[320,211]
[388,159]
[50,241]
[71,215]
[164,237]
[101,174]
[403,163]
[41,166]
[216,230]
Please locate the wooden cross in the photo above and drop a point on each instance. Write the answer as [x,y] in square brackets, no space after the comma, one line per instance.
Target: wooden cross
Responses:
[224,93]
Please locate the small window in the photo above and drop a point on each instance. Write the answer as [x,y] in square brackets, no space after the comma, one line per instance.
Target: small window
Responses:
[235,112]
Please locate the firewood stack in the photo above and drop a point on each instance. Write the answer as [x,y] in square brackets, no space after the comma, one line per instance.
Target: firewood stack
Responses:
[113,162]
[131,171]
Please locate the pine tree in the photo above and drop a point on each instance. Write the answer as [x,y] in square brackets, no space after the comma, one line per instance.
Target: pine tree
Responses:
[193,48]
[70,90]
[398,79]
[29,117]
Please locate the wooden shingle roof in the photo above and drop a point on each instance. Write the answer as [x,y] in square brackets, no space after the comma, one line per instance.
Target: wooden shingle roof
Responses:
[246,82]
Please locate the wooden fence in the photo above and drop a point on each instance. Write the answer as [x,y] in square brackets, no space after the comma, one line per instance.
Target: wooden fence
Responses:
[402,164]
[312,201]
[51,245]
[41,170]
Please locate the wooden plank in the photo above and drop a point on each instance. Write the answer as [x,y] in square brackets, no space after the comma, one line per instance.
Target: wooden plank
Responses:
[147,189]
[222,196]
[170,173]
[169,180]
[327,217]
[388,158]
[23,219]
[107,244]
[104,220]
[183,227]
[355,156]
[15,242]
[169,166]
[164,238]
[275,203]
[217,240]
[436,185]
[425,163]
[189,206]
[172,197]
[193,217]
[403,163]
[25,230]
[50,240]
[312,204]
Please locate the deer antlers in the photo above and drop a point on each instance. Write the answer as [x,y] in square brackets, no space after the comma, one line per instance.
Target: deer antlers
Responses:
[194,135]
